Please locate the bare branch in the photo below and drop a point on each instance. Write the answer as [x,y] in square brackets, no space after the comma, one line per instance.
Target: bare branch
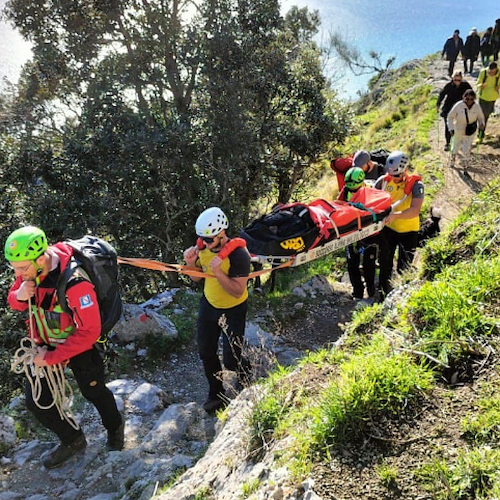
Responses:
[352,58]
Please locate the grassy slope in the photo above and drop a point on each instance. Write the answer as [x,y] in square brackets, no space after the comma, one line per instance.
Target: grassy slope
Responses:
[369,409]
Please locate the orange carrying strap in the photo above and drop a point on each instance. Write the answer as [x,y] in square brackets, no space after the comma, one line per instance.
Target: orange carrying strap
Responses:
[194,271]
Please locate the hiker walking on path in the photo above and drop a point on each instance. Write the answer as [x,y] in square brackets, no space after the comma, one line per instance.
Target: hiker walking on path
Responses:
[486,46]
[495,40]
[488,89]
[224,294]
[471,50]
[403,223]
[452,48]
[452,92]
[463,120]
[367,248]
[61,337]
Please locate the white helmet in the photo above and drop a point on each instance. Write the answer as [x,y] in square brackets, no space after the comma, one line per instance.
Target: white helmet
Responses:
[211,222]
[397,162]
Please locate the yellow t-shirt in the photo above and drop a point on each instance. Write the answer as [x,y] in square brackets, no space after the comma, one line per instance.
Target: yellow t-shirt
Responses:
[397,192]
[488,92]
[214,293]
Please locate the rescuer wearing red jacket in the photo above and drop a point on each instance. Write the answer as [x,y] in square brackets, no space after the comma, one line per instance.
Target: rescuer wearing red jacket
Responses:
[61,337]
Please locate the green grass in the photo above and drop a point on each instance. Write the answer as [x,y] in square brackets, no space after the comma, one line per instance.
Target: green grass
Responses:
[375,381]
[249,487]
[457,309]
[387,474]
[474,233]
[185,322]
[483,424]
[271,410]
[474,474]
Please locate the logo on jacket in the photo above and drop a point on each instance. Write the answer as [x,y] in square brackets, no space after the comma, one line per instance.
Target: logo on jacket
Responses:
[86,301]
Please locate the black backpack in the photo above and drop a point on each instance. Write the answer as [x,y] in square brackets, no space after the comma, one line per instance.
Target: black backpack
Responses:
[99,261]
[380,155]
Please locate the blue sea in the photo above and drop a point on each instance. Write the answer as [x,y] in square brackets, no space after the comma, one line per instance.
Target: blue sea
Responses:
[406,30]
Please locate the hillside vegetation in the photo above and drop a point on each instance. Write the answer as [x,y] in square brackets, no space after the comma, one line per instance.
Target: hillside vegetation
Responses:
[407,405]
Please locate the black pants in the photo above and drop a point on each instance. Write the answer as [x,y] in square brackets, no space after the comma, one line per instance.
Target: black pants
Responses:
[389,241]
[368,249]
[451,65]
[208,334]
[88,370]
[471,65]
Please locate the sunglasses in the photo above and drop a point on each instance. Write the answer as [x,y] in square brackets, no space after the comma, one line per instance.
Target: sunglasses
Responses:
[457,79]
[208,239]
[470,99]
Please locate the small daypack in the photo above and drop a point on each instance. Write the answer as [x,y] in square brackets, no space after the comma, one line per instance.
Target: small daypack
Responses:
[98,259]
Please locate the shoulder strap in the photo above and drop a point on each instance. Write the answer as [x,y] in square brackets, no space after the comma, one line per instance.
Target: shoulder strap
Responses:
[62,284]
[228,248]
[466,115]
[410,182]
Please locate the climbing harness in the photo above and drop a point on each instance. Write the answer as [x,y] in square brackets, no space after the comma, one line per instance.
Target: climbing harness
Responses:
[61,391]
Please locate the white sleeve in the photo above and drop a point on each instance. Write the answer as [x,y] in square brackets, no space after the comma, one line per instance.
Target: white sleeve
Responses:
[452,116]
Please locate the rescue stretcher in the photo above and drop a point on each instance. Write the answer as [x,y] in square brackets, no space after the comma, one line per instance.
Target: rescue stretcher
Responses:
[298,233]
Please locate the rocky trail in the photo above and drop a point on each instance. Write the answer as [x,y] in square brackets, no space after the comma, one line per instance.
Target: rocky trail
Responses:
[166,429]
[167,432]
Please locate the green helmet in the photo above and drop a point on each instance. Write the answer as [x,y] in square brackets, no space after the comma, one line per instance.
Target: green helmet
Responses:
[25,243]
[354,178]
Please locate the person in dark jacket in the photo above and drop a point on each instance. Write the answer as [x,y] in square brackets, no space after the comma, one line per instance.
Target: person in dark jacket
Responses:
[486,46]
[495,40]
[471,50]
[452,93]
[452,48]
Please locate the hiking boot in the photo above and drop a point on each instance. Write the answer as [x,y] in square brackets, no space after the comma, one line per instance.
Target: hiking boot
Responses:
[116,439]
[65,451]
[213,404]
[447,147]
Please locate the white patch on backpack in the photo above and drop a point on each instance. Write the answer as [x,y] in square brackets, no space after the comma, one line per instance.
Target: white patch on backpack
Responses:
[85,302]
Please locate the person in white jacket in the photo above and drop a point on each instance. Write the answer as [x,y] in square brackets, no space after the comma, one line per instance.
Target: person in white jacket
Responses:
[464,119]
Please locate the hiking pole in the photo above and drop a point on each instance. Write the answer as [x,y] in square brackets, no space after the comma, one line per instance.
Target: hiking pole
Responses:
[438,131]
[480,137]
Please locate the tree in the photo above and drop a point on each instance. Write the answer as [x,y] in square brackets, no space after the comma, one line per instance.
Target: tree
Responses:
[133,116]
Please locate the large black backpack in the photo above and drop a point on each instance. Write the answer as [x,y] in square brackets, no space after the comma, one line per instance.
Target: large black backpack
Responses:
[99,261]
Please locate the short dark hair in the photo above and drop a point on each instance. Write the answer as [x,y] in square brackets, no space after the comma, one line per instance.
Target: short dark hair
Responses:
[470,93]
[493,65]
[457,32]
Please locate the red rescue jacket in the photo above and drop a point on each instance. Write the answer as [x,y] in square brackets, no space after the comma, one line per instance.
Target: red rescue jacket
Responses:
[82,328]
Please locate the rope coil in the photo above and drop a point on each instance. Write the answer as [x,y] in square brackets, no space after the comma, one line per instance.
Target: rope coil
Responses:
[60,389]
